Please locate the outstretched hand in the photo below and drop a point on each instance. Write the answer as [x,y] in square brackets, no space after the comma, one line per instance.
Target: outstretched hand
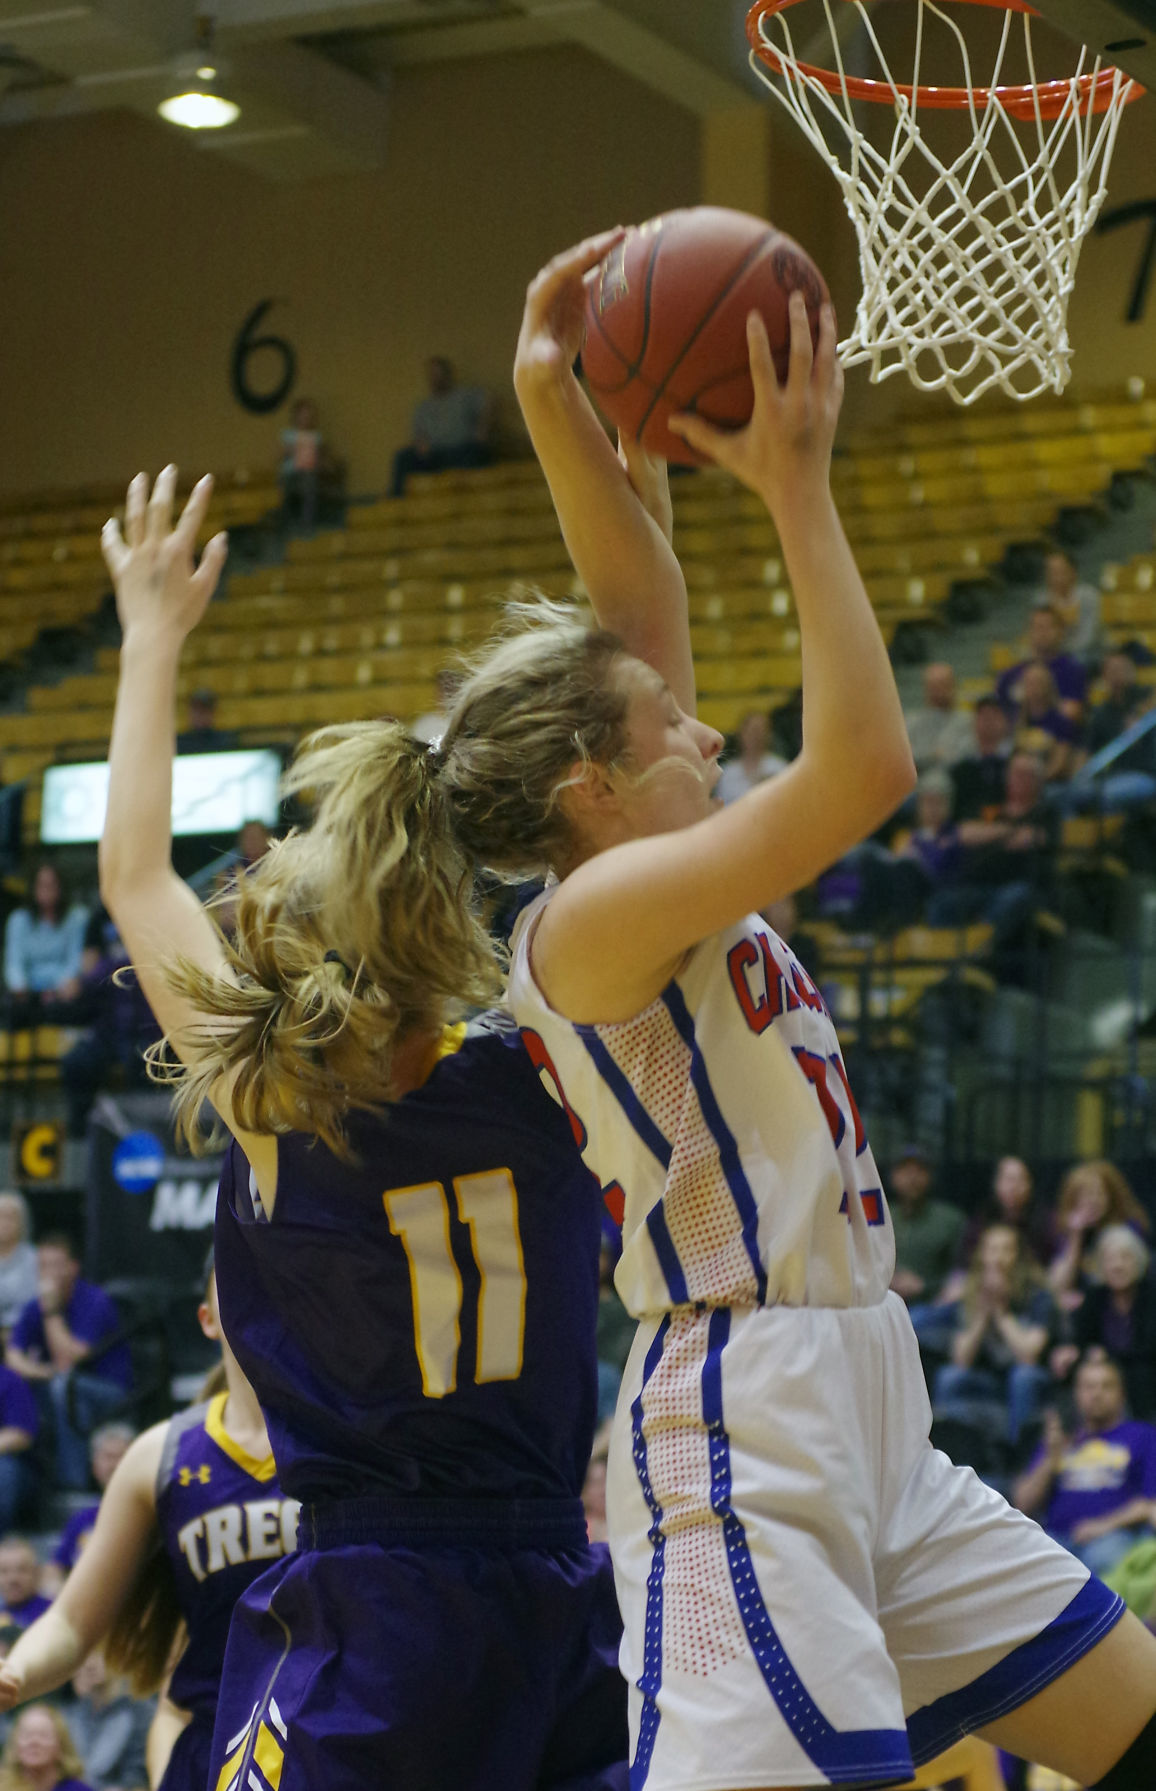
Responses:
[554,319]
[159,586]
[787,444]
[11,1687]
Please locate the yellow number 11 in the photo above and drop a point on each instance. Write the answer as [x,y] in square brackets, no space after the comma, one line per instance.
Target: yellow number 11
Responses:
[420,1217]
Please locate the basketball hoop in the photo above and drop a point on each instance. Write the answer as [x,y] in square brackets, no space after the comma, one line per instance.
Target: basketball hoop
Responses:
[968,255]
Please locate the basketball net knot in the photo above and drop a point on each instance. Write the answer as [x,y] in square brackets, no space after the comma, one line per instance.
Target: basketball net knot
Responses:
[969,255]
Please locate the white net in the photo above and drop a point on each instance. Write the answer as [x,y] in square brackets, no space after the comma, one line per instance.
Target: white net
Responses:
[968,254]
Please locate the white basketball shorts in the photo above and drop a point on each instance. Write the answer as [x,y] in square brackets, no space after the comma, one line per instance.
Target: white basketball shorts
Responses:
[811,1594]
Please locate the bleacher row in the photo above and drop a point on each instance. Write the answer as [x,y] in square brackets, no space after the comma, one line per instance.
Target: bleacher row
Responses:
[357,621]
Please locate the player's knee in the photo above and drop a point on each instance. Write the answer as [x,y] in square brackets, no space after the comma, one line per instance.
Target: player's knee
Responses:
[1135,1770]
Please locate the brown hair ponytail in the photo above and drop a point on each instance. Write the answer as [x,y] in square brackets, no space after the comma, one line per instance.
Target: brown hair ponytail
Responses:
[347,935]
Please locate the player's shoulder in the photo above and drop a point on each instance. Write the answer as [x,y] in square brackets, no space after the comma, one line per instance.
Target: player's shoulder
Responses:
[183,1425]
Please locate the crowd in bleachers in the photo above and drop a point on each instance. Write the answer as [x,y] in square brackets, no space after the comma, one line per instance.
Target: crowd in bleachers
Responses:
[1036,1321]
[1036,1317]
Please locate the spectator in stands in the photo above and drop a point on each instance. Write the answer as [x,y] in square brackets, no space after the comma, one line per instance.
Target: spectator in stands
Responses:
[1004,869]
[888,890]
[122,1026]
[299,474]
[1046,631]
[202,733]
[1078,603]
[1118,1316]
[109,1726]
[69,1321]
[1041,727]
[1125,699]
[981,777]
[39,1754]
[1013,1201]
[432,725]
[43,949]
[106,1447]
[19,1424]
[451,427]
[753,763]
[1093,1195]
[1095,1491]
[927,1234]
[19,1273]
[940,732]
[1003,1326]
[253,841]
[19,1581]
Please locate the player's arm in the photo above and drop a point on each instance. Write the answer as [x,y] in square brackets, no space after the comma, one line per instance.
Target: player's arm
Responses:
[614,509]
[620,923]
[161,595]
[167,1724]
[51,1649]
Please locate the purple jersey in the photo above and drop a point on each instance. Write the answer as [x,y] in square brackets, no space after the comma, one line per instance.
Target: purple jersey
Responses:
[73,1537]
[92,1317]
[1100,1473]
[422,1322]
[27,1610]
[223,1520]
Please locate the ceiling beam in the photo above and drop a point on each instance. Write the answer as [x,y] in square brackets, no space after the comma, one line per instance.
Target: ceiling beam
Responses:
[1108,24]
[119,53]
[656,60]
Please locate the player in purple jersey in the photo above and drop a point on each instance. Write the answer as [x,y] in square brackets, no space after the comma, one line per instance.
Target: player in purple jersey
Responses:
[407,1240]
[192,1515]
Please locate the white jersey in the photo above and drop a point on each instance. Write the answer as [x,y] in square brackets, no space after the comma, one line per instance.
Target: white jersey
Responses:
[721,1121]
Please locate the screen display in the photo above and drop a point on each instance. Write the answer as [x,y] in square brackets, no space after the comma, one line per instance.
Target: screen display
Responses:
[213,792]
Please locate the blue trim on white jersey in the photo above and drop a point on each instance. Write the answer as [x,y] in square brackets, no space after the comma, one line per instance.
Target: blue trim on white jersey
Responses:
[619,1086]
[728,1150]
[658,1145]
[1018,1676]
[667,1255]
[850,1756]
[650,1680]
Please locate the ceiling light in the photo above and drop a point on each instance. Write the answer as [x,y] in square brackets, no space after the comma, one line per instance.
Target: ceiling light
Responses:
[206,72]
[198,111]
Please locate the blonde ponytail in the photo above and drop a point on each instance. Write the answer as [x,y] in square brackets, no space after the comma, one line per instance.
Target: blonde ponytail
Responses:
[346,937]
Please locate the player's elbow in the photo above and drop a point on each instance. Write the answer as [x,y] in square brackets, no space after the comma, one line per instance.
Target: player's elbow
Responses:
[883,780]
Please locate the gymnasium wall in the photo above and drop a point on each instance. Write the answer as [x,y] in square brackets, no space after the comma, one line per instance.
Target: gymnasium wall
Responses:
[129,260]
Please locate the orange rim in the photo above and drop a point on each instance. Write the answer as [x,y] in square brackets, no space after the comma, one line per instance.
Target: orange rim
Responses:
[1094,92]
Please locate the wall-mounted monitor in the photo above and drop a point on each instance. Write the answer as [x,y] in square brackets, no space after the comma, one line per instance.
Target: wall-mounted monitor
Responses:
[213,793]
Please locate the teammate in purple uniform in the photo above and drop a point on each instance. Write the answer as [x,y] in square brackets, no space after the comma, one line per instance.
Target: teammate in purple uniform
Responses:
[414,1294]
[192,1515]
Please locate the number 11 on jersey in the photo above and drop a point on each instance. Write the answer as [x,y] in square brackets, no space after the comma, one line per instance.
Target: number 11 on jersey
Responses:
[420,1216]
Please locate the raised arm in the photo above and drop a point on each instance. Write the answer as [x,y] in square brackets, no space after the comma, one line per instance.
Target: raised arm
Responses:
[161,595]
[620,923]
[614,509]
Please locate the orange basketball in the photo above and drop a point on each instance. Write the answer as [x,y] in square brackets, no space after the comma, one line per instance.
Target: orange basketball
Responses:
[666,319]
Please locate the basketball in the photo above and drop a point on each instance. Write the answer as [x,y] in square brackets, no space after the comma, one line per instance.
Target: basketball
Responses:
[666,319]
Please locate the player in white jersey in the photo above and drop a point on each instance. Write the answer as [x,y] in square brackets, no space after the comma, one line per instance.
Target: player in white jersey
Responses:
[811,1594]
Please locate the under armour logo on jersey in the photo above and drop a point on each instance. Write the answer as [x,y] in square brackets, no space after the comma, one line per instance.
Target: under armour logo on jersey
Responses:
[188,1475]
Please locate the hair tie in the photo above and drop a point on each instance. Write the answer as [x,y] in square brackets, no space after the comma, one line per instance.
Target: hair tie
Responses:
[335,957]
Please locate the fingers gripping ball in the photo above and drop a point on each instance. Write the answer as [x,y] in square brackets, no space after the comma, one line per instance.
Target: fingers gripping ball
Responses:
[666,315]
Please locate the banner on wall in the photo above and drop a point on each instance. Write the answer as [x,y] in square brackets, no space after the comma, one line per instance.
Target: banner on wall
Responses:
[149,1204]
